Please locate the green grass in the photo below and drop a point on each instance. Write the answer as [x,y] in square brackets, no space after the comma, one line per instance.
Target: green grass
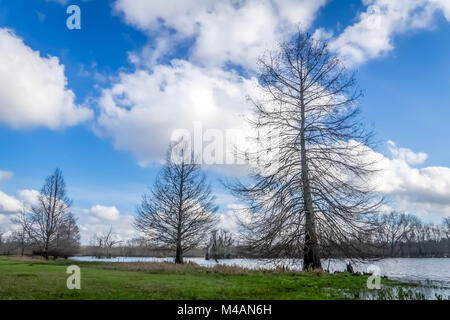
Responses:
[26,278]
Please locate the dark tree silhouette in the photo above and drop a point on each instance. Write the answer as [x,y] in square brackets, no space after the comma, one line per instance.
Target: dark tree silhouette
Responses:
[220,245]
[446,224]
[104,243]
[179,210]
[47,217]
[397,228]
[67,242]
[312,189]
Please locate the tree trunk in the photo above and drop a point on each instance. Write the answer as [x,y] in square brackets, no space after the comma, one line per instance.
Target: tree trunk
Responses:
[179,252]
[392,250]
[179,255]
[46,251]
[311,255]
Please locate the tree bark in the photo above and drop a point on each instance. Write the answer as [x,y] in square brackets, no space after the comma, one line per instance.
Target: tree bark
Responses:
[179,255]
[46,250]
[311,255]
[179,251]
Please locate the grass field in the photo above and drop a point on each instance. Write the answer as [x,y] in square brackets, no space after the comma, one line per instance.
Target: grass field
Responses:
[27,278]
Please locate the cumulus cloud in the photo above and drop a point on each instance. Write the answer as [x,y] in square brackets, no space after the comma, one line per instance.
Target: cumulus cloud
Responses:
[107,213]
[142,110]
[9,204]
[99,219]
[29,197]
[224,31]
[12,205]
[231,218]
[406,154]
[373,34]
[33,89]
[423,191]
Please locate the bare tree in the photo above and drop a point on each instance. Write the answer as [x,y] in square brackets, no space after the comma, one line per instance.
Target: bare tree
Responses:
[109,241]
[48,215]
[67,240]
[219,246]
[21,235]
[178,211]
[314,189]
[397,228]
[446,226]
[105,242]
[1,241]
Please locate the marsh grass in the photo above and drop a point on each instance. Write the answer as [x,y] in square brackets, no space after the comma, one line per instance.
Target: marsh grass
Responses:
[29,278]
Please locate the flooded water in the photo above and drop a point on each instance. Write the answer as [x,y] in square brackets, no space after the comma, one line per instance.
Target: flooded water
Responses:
[433,274]
[420,269]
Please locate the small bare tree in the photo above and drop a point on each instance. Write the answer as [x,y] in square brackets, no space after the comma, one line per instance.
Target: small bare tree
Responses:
[50,212]
[446,226]
[178,211]
[313,190]
[22,234]
[396,228]
[109,241]
[105,242]
[219,246]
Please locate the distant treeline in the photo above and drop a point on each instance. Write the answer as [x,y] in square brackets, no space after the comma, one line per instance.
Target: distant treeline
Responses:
[400,235]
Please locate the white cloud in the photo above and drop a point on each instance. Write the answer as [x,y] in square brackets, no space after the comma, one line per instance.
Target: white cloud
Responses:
[6,226]
[373,34]
[12,205]
[225,31]
[33,89]
[106,213]
[99,219]
[230,219]
[9,204]
[424,191]
[29,197]
[142,110]
[407,155]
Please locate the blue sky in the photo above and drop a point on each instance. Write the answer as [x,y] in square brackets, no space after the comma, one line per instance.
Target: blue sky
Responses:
[104,131]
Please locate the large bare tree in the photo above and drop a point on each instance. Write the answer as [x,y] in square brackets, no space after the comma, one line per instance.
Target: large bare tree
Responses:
[179,210]
[312,191]
[50,212]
